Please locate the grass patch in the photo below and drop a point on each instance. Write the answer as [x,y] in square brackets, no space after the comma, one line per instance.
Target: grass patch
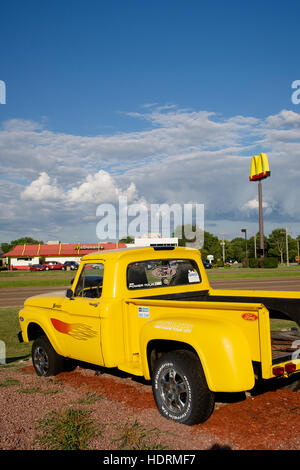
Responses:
[90,398]
[235,273]
[31,279]
[9,327]
[29,390]
[11,284]
[68,430]
[134,436]
[47,391]
[279,324]
[50,392]
[9,383]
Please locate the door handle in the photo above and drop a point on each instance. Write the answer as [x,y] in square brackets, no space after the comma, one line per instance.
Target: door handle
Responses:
[94,304]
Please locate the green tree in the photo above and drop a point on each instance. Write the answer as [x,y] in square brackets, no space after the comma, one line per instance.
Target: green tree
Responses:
[251,246]
[128,239]
[293,248]
[211,246]
[6,247]
[277,243]
[238,248]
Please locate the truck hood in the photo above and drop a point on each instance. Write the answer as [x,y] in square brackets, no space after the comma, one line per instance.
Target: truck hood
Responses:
[49,300]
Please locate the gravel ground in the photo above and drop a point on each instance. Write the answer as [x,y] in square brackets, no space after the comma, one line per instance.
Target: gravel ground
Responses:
[125,407]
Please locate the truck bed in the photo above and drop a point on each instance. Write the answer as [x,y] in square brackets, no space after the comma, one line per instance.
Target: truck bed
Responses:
[285,345]
[281,305]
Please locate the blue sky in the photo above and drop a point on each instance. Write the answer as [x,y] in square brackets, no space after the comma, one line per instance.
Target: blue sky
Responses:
[117,79]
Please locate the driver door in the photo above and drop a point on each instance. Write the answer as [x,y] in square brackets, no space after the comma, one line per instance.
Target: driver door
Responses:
[81,324]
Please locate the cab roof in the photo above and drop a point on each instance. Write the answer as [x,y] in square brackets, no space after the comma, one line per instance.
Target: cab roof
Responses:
[151,251]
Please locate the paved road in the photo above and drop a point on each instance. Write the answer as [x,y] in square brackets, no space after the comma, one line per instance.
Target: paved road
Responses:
[282,284]
[15,297]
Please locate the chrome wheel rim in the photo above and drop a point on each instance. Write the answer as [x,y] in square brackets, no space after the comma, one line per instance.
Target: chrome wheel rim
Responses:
[41,361]
[174,390]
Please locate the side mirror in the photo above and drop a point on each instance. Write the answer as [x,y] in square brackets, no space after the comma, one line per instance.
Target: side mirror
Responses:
[69,293]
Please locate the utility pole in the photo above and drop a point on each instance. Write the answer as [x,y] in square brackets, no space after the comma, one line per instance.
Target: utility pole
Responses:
[287,246]
[255,253]
[223,248]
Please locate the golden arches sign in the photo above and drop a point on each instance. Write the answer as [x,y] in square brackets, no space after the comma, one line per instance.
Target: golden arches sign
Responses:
[259,167]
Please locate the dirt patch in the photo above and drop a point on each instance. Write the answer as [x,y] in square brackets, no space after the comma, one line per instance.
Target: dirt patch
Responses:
[126,406]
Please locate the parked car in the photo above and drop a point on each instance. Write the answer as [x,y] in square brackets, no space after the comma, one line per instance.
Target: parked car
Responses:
[70,265]
[207,265]
[52,265]
[36,267]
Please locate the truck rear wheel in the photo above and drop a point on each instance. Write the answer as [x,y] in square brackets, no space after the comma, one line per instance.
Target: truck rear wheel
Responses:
[46,361]
[180,389]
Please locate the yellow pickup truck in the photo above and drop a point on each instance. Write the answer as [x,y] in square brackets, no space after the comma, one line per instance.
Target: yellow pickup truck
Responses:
[151,312]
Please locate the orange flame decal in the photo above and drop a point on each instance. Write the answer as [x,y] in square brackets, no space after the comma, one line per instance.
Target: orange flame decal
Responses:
[76,330]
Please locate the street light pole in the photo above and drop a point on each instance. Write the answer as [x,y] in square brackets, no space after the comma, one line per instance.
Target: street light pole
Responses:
[245,231]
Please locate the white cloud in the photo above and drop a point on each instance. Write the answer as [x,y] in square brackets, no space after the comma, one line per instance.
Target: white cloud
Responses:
[253,205]
[42,189]
[99,188]
[95,189]
[183,156]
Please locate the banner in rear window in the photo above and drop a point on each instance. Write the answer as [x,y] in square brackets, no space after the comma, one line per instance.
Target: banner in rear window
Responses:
[160,273]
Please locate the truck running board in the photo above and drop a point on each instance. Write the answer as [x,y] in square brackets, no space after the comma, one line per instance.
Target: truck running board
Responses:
[131,368]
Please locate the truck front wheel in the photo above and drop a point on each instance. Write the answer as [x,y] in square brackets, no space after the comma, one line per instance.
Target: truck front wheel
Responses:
[46,361]
[180,389]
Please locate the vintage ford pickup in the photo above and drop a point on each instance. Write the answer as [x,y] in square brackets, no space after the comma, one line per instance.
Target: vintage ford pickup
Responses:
[151,312]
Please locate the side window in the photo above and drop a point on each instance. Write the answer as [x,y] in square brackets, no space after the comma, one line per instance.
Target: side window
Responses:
[90,281]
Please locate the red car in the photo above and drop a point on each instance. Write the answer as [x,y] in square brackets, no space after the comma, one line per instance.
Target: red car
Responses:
[36,267]
[52,265]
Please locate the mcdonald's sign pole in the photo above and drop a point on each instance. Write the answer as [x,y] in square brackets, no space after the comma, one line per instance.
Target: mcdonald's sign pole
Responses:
[259,171]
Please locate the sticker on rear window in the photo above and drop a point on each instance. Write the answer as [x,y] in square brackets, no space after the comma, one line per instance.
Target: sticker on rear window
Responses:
[144,312]
[193,276]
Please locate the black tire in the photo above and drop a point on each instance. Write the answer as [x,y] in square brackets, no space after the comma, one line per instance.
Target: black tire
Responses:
[180,389]
[70,365]
[45,359]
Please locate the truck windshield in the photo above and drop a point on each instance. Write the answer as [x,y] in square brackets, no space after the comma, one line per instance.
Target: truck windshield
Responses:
[162,272]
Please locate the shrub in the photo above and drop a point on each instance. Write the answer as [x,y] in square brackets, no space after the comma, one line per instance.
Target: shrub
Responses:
[270,262]
[253,263]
